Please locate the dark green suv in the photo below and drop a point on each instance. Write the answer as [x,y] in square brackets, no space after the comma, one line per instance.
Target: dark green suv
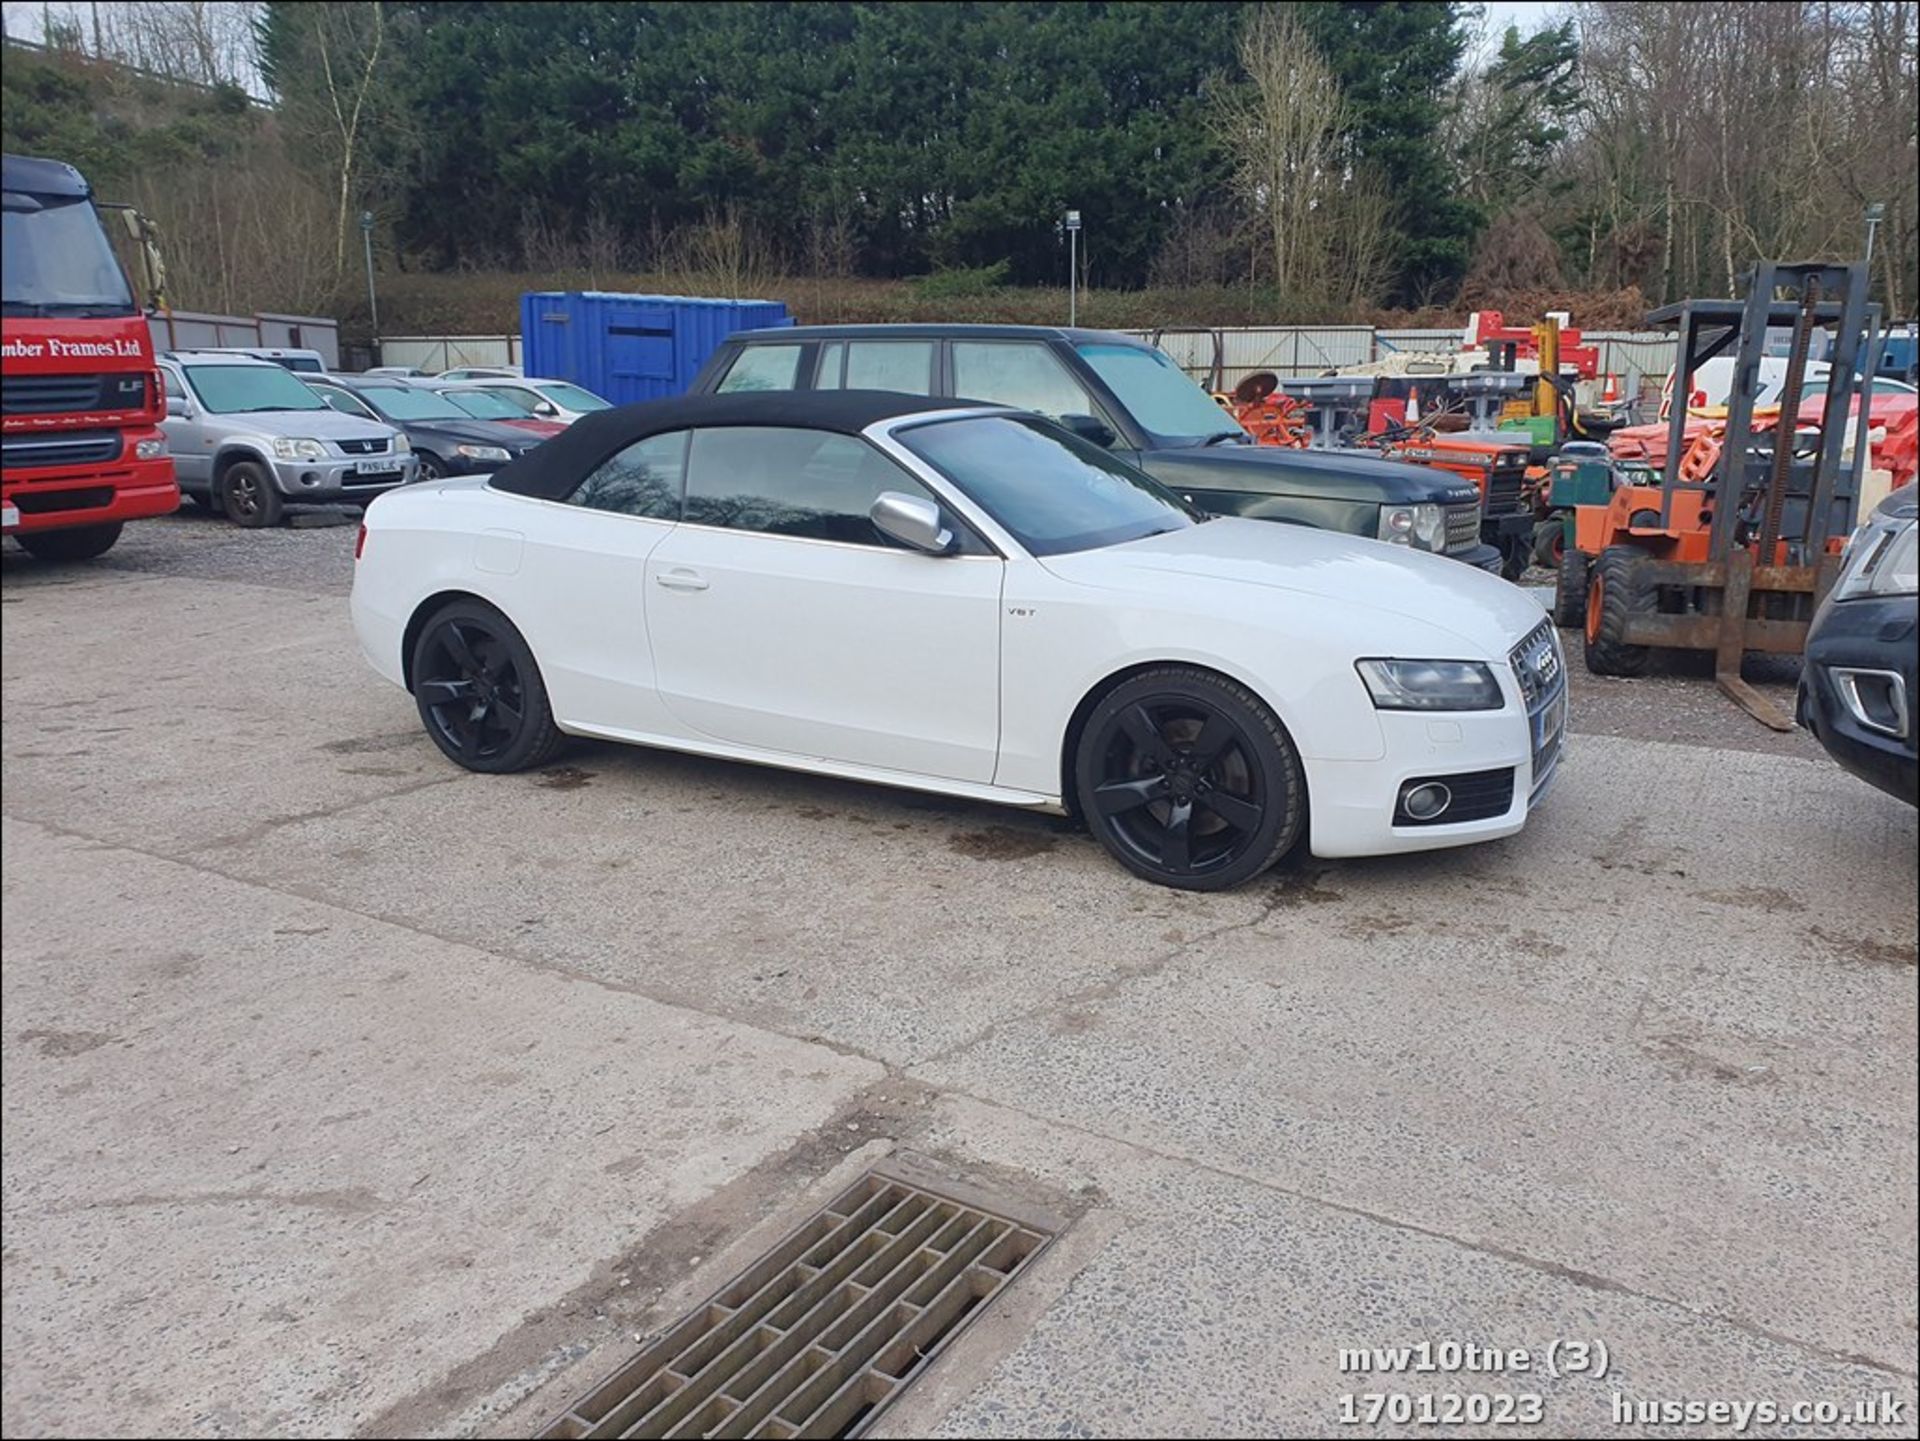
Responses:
[1126,395]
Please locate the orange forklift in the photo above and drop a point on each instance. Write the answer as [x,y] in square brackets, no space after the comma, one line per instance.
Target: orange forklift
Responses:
[1740,541]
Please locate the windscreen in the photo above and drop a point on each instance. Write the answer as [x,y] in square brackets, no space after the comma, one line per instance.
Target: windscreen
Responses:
[244,389]
[55,259]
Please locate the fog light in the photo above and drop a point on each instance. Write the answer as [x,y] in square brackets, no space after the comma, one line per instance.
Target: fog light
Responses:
[309,477]
[1425,802]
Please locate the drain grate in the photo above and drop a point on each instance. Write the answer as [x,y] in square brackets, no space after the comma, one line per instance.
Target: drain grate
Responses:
[818,1335]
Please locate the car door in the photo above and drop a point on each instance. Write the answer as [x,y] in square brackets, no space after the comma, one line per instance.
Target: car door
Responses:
[190,440]
[781,619]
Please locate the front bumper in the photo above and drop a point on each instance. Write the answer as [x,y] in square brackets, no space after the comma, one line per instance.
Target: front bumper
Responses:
[61,497]
[1355,807]
[336,479]
[1876,634]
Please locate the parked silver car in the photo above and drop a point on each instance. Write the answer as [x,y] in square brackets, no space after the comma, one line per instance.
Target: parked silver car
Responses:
[249,439]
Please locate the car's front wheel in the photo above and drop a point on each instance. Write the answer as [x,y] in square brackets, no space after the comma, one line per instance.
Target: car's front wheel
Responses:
[479,691]
[1189,780]
[248,497]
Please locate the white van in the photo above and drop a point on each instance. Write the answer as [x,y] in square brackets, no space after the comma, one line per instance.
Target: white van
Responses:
[301,362]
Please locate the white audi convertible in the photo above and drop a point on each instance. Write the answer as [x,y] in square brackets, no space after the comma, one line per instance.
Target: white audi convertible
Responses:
[965,599]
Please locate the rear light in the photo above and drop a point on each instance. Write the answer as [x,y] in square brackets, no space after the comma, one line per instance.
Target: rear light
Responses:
[360,541]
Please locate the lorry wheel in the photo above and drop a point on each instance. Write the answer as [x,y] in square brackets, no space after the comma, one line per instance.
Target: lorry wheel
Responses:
[248,497]
[1570,591]
[1615,596]
[81,542]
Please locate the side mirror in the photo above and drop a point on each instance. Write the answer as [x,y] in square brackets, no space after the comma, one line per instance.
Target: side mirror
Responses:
[911,520]
[546,408]
[177,407]
[1089,429]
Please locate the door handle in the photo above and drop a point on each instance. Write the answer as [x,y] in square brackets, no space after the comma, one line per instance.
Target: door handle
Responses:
[681,580]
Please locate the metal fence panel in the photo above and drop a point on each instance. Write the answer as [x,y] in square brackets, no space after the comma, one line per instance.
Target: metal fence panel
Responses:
[445,352]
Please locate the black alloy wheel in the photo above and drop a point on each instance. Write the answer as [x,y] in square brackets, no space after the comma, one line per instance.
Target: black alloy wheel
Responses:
[479,691]
[1189,780]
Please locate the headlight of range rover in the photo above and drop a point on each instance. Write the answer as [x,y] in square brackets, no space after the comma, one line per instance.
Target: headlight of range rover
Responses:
[288,447]
[1422,527]
[1430,684]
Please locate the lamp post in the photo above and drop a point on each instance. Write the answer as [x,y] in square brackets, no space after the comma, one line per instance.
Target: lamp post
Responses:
[1073,267]
[1876,212]
[373,301]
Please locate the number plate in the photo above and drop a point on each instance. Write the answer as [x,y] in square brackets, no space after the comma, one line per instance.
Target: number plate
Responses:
[373,467]
[1551,720]
[9,517]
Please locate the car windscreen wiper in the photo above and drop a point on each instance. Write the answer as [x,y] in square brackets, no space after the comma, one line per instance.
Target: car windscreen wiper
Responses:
[1220,437]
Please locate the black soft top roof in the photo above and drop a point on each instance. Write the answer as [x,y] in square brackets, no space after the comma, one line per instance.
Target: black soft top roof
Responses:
[551,471]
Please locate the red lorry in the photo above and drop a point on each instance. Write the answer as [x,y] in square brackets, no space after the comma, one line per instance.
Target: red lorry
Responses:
[81,401]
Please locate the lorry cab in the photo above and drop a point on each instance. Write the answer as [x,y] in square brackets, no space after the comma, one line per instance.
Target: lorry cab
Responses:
[1129,397]
[81,449]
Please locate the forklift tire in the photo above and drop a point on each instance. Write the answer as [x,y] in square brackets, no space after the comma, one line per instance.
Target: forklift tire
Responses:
[1615,595]
[1570,591]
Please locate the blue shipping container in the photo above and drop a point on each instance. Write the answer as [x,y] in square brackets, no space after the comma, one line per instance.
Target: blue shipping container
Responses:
[631,347]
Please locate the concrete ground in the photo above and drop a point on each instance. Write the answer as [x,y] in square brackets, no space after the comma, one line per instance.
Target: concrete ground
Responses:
[349,1093]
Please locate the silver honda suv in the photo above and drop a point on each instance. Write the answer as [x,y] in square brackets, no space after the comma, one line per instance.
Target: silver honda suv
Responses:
[249,439]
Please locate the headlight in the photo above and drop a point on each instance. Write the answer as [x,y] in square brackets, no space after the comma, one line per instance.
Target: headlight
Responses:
[1422,527]
[298,448]
[1881,560]
[401,445]
[150,449]
[1431,684]
[492,454]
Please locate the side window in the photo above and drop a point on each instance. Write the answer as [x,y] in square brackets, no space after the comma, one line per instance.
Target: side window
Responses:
[643,480]
[780,481]
[1017,373]
[520,399]
[763,367]
[830,373]
[902,365]
[342,402]
[175,384]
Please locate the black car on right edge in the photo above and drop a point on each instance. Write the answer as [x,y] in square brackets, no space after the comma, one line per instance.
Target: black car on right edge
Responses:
[1858,685]
[1126,396]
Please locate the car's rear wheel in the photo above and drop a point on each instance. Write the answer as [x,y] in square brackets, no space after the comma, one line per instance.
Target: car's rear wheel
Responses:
[1189,780]
[79,542]
[479,691]
[248,497]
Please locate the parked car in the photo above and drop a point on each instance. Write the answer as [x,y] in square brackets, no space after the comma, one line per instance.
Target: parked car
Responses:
[559,400]
[482,372]
[1127,397]
[303,362]
[970,600]
[485,405]
[446,440]
[248,438]
[1858,684]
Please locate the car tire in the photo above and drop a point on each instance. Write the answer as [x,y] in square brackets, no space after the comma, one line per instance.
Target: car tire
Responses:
[80,542]
[1570,591]
[1189,779]
[248,497]
[1616,595]
[430,466]
[479,691]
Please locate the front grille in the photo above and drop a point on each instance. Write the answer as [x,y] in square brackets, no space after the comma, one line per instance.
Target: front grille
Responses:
[1463,527]
[68,394]
[1477,796]
[1504,484]
[86,447]
[1541,670]
[362,447]
[822,1332]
